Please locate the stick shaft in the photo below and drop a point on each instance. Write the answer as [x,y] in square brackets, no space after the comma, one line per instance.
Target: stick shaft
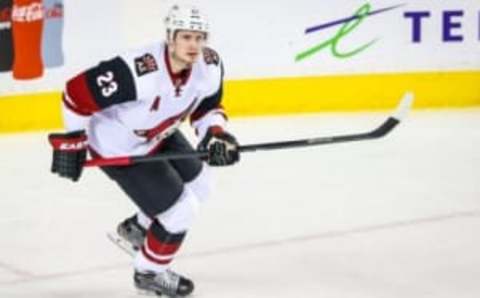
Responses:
[379,132]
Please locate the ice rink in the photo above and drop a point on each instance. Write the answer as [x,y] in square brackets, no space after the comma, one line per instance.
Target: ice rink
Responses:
[392,218]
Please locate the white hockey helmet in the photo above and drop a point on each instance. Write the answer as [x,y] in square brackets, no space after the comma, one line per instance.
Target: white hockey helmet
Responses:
[185,18]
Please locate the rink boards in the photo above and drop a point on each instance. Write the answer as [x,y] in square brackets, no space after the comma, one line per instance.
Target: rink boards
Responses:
[285,96]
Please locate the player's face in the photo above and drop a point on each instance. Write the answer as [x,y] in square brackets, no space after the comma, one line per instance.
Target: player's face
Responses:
[187,45]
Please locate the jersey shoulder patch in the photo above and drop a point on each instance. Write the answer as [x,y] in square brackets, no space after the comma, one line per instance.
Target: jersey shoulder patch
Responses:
[210,56]
[145,64]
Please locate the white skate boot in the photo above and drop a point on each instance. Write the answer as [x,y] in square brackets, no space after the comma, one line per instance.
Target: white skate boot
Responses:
[166,283]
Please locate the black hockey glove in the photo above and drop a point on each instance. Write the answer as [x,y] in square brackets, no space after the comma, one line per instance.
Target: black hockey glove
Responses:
[69,153]
[222,147]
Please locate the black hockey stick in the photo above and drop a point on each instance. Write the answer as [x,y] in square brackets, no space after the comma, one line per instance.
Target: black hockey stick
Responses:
[382,130]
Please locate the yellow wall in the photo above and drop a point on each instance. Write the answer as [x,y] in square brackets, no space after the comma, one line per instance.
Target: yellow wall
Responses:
[351,92]
[30,112]
[286,96]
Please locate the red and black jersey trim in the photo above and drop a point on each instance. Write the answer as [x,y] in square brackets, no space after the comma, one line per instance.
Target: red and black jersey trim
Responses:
[109,83]
[78,96]
[178,79]
[208,104]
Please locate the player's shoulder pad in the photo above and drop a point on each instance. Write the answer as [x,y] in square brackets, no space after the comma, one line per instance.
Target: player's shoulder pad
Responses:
[213,69]
[210,56]
[212,62]
[143,61]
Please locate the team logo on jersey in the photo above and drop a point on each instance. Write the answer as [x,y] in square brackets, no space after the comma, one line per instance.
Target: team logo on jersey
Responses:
[145,64]
[210,56]
[164,129]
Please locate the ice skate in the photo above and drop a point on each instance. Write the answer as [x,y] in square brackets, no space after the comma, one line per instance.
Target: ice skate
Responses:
[166,283]
[129,235]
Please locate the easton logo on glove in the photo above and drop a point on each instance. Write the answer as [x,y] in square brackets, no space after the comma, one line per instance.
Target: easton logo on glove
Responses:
[66,144]
[69,153]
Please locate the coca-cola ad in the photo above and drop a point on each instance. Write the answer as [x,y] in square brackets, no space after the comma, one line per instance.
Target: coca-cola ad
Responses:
[52,38]
[28,13]
[30,37]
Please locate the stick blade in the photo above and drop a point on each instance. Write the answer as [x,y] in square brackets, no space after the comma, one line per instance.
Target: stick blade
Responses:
[404,106]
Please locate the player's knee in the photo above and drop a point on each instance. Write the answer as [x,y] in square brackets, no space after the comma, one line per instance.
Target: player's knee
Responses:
[202,184]
[179,217]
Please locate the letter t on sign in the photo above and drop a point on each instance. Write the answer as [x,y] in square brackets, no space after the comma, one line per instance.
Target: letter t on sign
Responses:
[417,23]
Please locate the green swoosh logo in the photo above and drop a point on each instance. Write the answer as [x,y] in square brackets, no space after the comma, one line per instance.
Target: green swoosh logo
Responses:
[333,42]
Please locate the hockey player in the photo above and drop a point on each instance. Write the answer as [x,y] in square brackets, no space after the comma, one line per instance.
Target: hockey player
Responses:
[133,104]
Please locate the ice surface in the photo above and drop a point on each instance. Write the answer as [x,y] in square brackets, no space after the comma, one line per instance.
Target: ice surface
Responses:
[396,217]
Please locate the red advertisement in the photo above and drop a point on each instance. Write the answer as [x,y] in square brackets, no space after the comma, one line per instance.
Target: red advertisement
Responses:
[27,26]
[30,37]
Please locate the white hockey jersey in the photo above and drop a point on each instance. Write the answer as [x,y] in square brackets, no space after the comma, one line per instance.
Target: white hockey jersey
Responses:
[128,105]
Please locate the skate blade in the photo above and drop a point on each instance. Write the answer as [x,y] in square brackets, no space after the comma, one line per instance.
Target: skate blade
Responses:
[150,293]
[120,243]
